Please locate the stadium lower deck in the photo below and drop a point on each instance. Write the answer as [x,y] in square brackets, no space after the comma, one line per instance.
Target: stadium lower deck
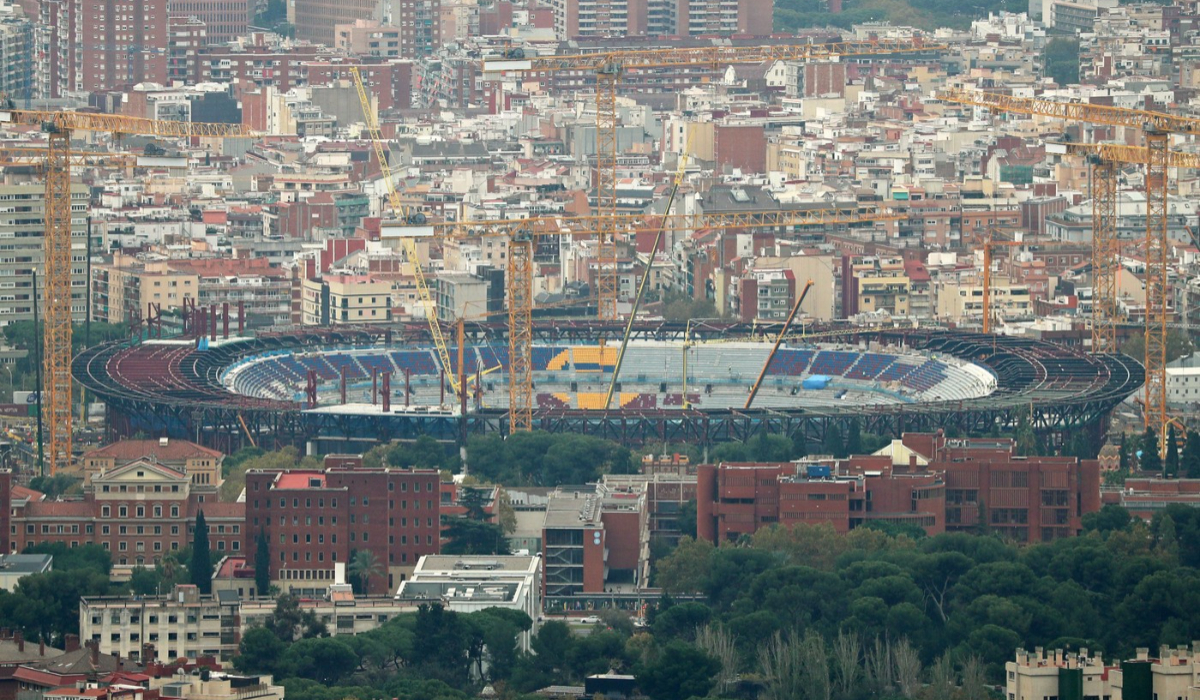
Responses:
[239,390]
[577,377]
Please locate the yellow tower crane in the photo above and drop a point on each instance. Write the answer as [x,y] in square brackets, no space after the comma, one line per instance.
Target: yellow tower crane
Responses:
[1104,159]
[609,66]
[522,233]
[1157,127]
[414,222]
[56,400]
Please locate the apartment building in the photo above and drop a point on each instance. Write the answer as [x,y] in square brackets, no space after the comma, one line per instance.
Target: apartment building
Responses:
[224,20]
[345,299]
[185,624]
[599,18]
[22,250]
[103,45]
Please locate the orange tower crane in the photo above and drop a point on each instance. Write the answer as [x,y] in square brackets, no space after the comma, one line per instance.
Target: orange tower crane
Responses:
[1104,159]
[609,66]
[56,403]
[522,233]
[1157,127]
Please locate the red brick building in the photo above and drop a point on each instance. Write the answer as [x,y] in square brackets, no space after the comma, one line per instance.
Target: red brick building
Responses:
[314,519]
[102,45]
[1145,497]
[138,511]
[737,499]
[389,80]
[1025,499]
[943,485]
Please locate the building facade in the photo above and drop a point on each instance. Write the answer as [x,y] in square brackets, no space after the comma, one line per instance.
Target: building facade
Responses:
[201,464]
[138,512]
[224,20]
[312,520]
[185,624]
[733,500]
[23,226]
[102,45]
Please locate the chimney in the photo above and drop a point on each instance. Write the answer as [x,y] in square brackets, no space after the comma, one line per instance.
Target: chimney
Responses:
[42,648]
[20,640]
[94,652]
[71,642]
[148,654]
[117,657]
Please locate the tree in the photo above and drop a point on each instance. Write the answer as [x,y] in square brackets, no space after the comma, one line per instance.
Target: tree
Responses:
[326,660]
[474,537]
[1171,465]
[1060,61]
[474,501]
[289,622]
[259,651]
[686,569]
[686,519]
[363,565]
[143,581]
[1189,462]
[681,671]
[1178,345]
[1123,455]
[833,444]
[201,568]
[1149,459]
[262,564]
[854,441]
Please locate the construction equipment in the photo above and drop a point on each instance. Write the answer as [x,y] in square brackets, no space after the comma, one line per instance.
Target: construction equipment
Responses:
[1157,127]
[522,232]
[56,403]
[413,222]
[1106,252]
[778,341]
[609,66]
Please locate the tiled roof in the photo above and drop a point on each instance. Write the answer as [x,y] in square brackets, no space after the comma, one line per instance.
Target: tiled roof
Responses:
[174,450]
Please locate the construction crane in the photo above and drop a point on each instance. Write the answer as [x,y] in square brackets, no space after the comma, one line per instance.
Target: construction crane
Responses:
[1106,251]
[523,232]
[609,66]
[778,341]
[56,400]
[989,246]
[1157,128]
[409,219]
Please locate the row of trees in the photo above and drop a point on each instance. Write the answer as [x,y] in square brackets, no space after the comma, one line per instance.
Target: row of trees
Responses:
[1121,585]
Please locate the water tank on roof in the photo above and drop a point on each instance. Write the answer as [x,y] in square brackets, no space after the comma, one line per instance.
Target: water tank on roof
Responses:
[819,471]
[817,381]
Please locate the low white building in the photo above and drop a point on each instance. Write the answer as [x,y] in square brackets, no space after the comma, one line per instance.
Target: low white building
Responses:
[14,567]
[468,584]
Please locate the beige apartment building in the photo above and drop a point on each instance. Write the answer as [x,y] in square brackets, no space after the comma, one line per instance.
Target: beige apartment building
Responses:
[186,624]
[345,299]
[964,302]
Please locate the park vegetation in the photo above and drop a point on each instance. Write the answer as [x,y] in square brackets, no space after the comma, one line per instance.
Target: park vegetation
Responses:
[801,612]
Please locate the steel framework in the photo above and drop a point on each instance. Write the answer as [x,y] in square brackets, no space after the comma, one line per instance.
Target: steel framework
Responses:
[606,189]
[1105,255]
[520,333]
[1155,410]
[56,338]
[1157,126]
[1061,390]
[57,292]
